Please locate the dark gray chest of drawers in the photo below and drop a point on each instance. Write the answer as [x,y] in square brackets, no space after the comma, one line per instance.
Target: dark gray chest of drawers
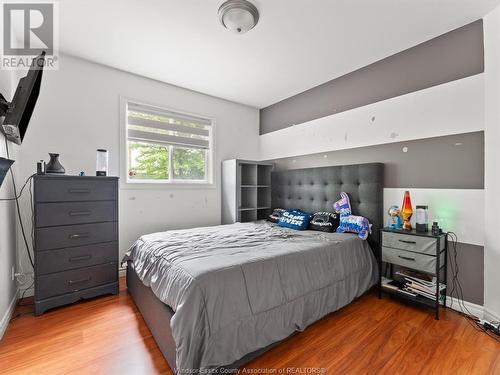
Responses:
[76,239]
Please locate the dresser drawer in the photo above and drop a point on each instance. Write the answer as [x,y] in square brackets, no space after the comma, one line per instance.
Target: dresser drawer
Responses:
[418,244]
[71,281]
[52,214]
[51,261]
[416,261]
[75,235]
[74,189]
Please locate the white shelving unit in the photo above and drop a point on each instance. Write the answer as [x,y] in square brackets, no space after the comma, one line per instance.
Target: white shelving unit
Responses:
[246,190]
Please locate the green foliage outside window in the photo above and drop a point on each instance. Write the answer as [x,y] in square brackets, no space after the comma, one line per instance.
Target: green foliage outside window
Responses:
[148,161]
[151,162]
[188,163]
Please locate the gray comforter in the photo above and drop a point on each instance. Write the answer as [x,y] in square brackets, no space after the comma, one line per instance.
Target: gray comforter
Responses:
[238,288]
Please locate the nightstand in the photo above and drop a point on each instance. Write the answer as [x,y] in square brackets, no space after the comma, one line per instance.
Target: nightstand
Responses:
[414,252]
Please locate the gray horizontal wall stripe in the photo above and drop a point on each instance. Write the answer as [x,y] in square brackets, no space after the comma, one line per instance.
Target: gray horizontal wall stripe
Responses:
[455,55]
[449,162]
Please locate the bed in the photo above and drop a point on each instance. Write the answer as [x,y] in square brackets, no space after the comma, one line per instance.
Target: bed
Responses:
[220,296]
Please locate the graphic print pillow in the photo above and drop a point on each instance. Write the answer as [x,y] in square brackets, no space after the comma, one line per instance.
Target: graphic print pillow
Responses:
[350,222]
[275,216]
[295,219]
[325,222]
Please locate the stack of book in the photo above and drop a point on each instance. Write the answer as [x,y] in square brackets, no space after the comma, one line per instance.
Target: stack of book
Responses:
[420,284]
[413,284]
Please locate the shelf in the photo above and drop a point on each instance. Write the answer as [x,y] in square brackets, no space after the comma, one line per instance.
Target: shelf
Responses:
[248,174]
[263,208]
[264,174]
[249,215]
[416,299]
[246,208]
[249,186]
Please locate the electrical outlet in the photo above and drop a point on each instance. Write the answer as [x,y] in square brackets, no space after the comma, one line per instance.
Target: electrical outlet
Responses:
[12,273]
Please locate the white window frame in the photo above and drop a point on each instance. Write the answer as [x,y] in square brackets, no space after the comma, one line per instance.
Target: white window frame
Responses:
[128,183]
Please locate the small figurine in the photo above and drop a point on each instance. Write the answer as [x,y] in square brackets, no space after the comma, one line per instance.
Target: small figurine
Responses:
[395,220]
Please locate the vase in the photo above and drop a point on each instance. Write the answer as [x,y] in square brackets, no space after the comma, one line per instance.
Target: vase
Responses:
[407,211]
[54,166]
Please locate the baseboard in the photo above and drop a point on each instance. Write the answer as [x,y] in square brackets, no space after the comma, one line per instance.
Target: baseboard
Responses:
[8,314]
[491,315]
[472,308]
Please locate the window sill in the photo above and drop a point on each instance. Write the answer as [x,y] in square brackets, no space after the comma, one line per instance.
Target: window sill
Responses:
[166,185]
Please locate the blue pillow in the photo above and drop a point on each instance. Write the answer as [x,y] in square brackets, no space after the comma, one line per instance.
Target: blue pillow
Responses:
[295,219]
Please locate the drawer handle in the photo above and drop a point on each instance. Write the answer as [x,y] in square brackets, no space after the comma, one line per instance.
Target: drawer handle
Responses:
[79,191]
[79,258]
[406,258]
[79,235]
[72,282]
[410,242]
[80,213]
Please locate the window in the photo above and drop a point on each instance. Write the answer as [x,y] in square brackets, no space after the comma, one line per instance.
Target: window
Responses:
[166,146]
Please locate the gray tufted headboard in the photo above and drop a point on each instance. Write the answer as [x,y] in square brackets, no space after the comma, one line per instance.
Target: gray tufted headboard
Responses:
[316,189]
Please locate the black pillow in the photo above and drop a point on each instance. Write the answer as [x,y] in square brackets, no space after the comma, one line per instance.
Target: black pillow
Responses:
[325,222]
[275,216]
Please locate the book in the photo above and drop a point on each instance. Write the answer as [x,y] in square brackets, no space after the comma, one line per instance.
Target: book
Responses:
[398,286]
[422,277]
[431,290]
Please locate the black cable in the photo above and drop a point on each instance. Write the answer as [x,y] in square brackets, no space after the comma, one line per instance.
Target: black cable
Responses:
[473,320]
[19,304]
[21,191]
[19,209]
[22,296]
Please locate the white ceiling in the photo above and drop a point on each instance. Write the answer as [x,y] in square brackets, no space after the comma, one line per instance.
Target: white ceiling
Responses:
[296,45]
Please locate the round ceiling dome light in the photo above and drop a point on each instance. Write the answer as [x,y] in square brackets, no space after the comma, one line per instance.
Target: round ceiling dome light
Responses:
[238,16]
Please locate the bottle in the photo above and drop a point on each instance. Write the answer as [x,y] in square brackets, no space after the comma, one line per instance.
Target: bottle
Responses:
[101,162]
[436,231]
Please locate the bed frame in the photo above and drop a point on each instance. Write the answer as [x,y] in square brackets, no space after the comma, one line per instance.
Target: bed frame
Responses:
[311,190]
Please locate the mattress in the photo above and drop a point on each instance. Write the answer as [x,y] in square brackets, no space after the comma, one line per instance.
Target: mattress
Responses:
[237,288]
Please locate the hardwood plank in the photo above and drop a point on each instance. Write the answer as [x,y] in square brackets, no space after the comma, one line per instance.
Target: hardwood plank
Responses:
[107,335]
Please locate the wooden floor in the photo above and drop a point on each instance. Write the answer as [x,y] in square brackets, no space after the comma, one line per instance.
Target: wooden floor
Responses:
[370,336]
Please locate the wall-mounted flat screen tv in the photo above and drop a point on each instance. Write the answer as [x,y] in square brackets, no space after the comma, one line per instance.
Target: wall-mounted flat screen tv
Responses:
[18,112]
[4,168]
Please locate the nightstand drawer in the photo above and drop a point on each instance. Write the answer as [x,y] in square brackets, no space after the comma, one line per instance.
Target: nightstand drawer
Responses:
[416,261]
[417,244]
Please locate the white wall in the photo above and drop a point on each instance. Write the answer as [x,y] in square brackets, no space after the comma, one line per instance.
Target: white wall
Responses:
[78,111]
[451,108]
[492,159]
[454,209]
[8,288]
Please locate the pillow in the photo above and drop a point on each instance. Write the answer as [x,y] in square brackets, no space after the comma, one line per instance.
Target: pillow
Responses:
[350,222]
[324,222]
[275,216]
[295,219]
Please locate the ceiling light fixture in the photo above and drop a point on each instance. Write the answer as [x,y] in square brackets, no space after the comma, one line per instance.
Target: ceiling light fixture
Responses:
[238,16]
